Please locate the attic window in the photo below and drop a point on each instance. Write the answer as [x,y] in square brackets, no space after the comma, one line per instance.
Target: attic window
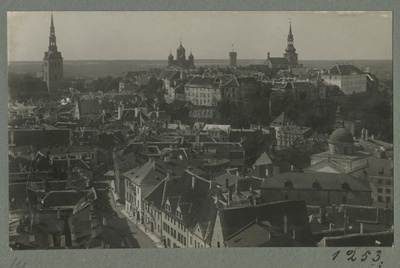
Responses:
[288,184]
[168,207]
[179,214]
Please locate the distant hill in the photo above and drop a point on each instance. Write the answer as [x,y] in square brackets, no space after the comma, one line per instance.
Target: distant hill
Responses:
[101,68]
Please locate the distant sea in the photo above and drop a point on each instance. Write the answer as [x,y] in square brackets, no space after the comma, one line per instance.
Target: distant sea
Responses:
[100,68]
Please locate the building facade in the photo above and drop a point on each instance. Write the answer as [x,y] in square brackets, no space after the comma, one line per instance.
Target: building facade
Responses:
[347,77]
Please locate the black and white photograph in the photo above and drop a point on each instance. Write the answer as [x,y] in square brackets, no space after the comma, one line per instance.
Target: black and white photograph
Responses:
[200,129]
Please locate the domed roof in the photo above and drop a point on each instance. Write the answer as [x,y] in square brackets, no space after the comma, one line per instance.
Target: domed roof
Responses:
[180,48]
[341,135]
[170,56]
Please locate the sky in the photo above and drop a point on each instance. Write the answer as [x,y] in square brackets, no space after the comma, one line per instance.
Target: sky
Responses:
[144,35]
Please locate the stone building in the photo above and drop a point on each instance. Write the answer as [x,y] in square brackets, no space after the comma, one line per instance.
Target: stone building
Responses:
[52,63]
[181,62]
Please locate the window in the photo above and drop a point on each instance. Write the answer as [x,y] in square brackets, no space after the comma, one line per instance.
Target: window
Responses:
[286,197]
[387,199]
[344,199]
[380,199]
[388,191]
[218,244]
[379,190]
[388,182]
[379,181]
[168,207]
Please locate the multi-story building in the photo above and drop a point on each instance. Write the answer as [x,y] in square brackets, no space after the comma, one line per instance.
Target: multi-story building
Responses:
[182,211]
[380,176]
[204,91]
[240,88]
[288,136]
[318,189]
[347,77]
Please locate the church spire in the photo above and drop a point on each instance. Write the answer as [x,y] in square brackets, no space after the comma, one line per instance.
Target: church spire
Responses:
[52,38]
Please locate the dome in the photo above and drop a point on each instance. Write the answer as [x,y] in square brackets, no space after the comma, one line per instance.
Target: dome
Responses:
[170,56]
[341,135]
[180,48]
[191,56]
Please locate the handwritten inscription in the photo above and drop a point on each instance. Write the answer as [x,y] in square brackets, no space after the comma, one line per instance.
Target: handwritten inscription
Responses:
[373,256]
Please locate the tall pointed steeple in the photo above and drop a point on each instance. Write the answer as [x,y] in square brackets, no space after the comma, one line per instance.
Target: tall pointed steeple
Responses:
[52,63]
[290,39]
[52,38]
[290,52]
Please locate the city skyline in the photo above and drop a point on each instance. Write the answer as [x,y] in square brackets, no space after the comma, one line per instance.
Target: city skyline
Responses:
[264,31]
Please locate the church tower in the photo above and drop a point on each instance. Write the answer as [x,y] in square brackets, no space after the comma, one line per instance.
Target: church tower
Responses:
[52,63]
[232,58]
[291,54]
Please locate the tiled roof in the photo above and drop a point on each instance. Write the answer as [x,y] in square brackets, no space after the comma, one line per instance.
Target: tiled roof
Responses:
[197,201]
[345,69]
[203,81]
[234,219]
[62,198]
[252,235]
[264,159]
[282,120]
[385,239]
[279,61]
[326,181]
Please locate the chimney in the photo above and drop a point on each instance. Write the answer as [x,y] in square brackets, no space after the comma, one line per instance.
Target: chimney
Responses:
[63,240]
[136,112]
[227,184]
[285,227]
[237,187]
[193,181]
[229,196]
[104,221]
[361,228]
[294,235]
[366,134]
[169,172]
[58,214]
[120,111]
[291,168]
[322,215]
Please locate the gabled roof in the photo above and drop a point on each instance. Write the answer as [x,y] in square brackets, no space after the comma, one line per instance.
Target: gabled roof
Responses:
[264,159]
[234,219]
[385,239]
[345,69]
[203,81]
[197,203]
[282,120]
[252,235]
[326,181]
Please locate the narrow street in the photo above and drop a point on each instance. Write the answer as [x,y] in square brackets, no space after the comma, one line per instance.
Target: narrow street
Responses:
[136,237]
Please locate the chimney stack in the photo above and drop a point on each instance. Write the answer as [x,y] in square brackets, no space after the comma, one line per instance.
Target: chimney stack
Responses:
[227,184]
[285,224]
[104,221]
[193,181]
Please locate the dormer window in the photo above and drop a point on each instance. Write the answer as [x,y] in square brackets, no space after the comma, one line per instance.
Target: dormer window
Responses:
[179,214]
[288,184]
[168,206]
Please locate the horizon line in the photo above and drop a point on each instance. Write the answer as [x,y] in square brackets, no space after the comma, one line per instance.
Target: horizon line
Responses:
[340,60]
